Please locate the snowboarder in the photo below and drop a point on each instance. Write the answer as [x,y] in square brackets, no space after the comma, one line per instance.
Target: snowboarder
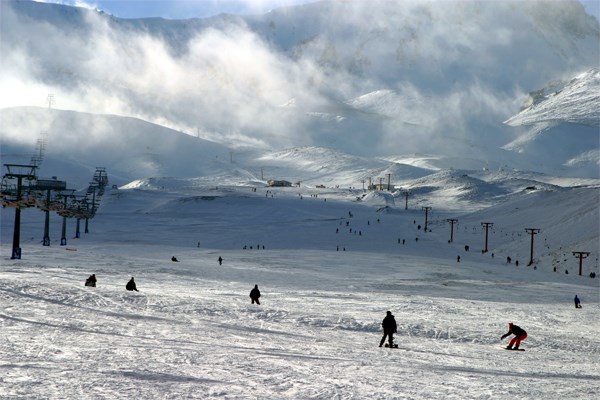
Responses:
[389,328]
[255,294]
[174,259]
[577,302]
[220,261]
[519,333]
[131,285]
[457,258]
[91,280]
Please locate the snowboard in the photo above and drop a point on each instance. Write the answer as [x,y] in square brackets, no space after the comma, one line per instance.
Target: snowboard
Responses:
[394,346]
[513,349]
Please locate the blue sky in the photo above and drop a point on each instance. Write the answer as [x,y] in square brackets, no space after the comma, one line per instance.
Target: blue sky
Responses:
[182,9]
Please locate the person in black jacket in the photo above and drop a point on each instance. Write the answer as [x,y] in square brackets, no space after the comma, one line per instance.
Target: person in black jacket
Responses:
[389,328]
[131,285]
[91,280]
[519,333]
[255,294]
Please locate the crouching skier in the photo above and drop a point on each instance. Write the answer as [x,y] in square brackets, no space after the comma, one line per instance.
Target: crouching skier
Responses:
[519,333]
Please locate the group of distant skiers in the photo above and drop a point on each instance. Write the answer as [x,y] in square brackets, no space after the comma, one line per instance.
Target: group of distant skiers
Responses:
[91,281]
[220,259]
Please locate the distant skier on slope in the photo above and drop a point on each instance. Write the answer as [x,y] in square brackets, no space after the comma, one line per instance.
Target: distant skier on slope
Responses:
[519,333]
[131,285]
[577,302]
[389,328]
[255,294]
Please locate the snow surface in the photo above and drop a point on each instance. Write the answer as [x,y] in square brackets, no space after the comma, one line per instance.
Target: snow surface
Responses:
[376,77]
[191,331]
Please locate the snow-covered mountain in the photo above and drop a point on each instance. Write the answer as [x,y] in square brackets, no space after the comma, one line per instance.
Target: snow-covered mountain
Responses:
[368,78]
[190,119]
[563,109]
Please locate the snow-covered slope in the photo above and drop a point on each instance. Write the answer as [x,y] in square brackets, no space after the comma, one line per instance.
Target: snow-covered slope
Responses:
[129,148]
[576,102]
[565,113]
[191,332]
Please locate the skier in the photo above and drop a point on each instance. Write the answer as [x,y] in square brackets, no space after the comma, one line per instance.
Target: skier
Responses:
[389,328]
[174,259]
[221,260]
[255,294]
[519,333]
[131,285]
[91,280]
[577,302]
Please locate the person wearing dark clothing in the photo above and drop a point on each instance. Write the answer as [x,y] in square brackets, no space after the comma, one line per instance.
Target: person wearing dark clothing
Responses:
[389,328]
[91,281]
[131,285]
[519,333]
[577,302]
[174,259]
[255,294]
[221,260]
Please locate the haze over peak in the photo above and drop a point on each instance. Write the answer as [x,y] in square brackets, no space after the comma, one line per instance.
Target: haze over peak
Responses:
[366,78]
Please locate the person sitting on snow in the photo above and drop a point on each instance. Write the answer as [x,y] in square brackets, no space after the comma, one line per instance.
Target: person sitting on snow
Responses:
[519,333]
[91,280]
[174,259]
[131,285]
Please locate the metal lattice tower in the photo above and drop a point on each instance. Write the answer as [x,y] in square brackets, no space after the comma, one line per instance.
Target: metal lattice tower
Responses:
[40,148]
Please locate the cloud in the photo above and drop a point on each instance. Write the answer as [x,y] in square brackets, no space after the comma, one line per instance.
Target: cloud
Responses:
[457,71]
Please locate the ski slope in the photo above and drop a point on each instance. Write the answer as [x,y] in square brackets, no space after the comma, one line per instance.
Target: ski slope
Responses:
[191,331]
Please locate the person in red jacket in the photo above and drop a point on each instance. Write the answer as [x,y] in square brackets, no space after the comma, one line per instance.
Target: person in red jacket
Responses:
[519,333]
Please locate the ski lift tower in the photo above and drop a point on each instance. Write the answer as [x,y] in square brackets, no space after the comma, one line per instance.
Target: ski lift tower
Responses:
[66,196]
[48,185]
[20,173]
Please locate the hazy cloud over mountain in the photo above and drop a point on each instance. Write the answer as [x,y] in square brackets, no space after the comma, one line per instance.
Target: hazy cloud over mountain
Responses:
[312,74]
